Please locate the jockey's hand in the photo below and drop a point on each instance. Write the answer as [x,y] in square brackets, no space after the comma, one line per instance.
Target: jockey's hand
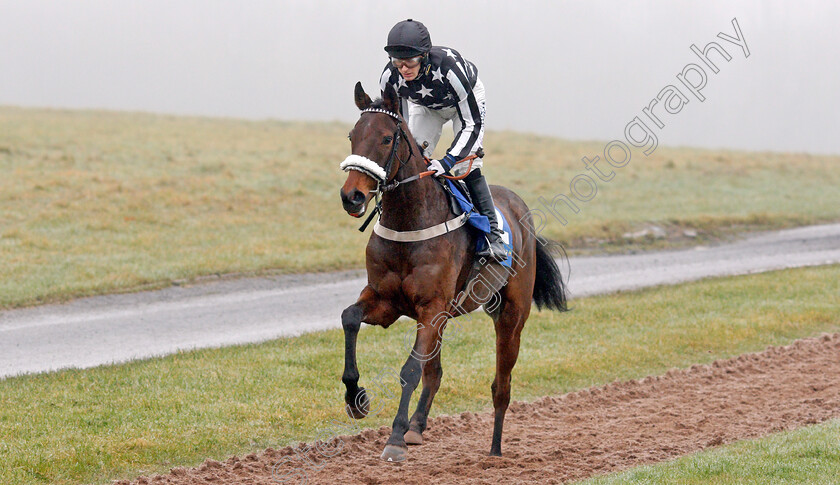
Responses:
[437,167]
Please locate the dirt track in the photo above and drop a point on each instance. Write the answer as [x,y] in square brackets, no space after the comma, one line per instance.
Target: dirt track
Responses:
[576,435]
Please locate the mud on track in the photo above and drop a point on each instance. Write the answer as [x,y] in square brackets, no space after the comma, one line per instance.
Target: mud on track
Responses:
[576,435]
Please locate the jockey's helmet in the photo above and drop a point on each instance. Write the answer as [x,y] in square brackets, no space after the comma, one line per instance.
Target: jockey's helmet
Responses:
[408,38]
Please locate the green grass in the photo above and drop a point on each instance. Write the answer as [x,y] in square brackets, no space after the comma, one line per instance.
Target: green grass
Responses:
[97,202]
[808,455]
[148,416]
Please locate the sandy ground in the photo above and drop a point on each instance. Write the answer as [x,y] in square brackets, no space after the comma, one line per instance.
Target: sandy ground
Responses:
[571,436]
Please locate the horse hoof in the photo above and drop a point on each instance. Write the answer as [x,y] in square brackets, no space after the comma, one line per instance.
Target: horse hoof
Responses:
[413,438]
[393,453]
[360,406]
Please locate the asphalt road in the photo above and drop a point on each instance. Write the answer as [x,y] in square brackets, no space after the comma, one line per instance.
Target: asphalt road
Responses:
[117,328]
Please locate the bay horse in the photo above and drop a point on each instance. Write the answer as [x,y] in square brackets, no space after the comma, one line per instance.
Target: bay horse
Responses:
[421,279]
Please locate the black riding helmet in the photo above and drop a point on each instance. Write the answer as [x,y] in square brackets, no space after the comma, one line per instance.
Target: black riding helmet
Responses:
[408,38]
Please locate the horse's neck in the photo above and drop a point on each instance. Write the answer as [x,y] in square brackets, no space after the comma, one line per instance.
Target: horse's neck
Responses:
[415,205]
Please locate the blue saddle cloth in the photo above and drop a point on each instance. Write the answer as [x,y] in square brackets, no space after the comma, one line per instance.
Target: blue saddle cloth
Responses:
[481,222]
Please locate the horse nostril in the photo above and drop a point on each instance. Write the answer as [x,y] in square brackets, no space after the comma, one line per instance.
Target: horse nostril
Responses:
[352,199]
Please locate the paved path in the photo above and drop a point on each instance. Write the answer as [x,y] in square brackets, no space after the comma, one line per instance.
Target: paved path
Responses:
[116,328]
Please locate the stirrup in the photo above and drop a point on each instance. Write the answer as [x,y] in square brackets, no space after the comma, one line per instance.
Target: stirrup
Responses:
[495,250]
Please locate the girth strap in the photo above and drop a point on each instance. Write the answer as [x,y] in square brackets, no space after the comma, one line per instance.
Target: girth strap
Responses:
[423,234]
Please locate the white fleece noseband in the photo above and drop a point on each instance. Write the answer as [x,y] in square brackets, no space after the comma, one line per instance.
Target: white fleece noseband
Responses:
[364,165]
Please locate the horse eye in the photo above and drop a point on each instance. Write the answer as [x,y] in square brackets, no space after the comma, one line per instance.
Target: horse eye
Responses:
[387,140]
[348,137]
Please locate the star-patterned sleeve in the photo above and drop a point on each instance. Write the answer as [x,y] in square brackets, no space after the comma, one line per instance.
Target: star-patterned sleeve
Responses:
[469,139]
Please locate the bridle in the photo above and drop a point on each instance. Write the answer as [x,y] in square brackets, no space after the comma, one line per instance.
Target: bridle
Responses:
[377,172]
[381,176]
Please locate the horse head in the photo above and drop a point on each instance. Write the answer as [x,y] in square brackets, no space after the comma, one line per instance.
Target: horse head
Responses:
[376,151]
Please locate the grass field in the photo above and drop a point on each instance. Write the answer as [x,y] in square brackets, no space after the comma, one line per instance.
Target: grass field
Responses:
[96,202]
[148,416]
[808,456]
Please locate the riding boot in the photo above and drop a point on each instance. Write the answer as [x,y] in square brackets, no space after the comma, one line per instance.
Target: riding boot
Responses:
[483,201]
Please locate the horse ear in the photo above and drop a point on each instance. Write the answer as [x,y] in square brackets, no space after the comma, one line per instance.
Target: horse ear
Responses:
[362,99]
[390,101]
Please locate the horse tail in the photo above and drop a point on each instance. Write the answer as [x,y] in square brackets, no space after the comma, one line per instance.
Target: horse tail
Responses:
[549,288]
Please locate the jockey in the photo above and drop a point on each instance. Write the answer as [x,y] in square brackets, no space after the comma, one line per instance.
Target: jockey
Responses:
[435,85]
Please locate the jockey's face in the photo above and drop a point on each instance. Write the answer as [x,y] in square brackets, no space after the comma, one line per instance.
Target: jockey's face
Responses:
[409,68]
[410,73]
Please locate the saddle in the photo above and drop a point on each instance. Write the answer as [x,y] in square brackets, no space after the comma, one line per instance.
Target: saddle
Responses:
[486,277]
[461,187]
[460,203]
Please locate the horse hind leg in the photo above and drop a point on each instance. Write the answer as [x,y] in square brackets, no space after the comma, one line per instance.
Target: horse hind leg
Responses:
[508,330]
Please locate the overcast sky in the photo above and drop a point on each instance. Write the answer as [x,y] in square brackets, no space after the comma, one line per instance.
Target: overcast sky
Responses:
[578,70]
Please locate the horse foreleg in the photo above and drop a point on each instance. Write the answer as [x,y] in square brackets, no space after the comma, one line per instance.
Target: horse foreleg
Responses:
[372,309]
[432,374]
[426,348]
[356,398]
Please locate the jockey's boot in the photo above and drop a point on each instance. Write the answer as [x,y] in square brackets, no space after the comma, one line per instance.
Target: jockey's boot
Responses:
[483,201]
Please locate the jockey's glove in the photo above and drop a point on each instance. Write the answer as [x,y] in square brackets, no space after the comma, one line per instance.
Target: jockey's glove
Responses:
[437,167]
[443,165]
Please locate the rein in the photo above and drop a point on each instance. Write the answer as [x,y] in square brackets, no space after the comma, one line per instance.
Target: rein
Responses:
[420,175]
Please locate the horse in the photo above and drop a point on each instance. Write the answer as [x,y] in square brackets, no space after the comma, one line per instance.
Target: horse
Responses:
[421,279]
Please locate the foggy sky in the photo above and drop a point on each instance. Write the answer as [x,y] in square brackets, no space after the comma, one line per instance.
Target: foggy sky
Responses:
[577,70]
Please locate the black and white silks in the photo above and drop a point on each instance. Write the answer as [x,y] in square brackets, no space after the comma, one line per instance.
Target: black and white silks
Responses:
[445,81]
